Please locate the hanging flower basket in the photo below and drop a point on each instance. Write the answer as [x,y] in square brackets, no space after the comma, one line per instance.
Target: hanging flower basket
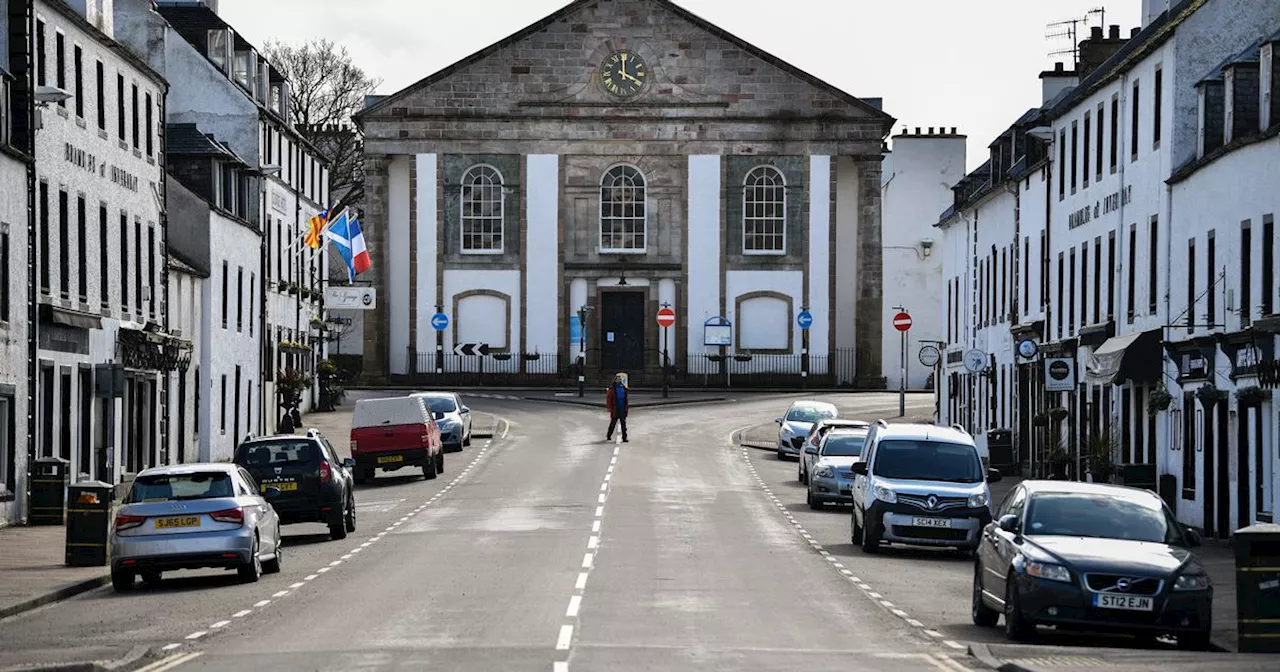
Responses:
[1209,394]
[294,346]
[1252,395]
[305,293]
[1043,418]
[1160,400]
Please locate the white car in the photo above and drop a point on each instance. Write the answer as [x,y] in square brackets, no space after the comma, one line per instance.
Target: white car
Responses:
[793,428]
[453,417]
[831,474]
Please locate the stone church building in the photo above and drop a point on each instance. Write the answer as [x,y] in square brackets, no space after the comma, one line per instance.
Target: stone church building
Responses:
[618,156]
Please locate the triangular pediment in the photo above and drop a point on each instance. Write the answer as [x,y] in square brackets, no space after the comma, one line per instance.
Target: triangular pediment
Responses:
[691,68]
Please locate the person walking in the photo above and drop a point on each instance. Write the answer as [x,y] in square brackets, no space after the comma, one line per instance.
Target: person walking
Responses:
[617,400]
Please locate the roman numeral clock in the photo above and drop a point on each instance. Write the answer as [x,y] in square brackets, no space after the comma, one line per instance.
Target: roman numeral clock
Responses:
[623,73]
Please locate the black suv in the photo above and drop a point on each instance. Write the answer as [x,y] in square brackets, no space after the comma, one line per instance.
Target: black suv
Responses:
[303,479]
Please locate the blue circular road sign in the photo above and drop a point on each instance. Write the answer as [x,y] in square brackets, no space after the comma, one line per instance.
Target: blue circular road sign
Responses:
[439,321]
[804,319]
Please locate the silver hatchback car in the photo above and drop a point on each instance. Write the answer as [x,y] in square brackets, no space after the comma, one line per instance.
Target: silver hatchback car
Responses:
[193,516]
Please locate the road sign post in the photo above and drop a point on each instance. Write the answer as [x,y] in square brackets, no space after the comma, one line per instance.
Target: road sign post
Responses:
[666,318]
[902,322]
[582,350]
[439,322]
[804,320]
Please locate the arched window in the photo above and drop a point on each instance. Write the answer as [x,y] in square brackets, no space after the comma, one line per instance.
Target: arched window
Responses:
[764,212]
[483,203]
[622,210]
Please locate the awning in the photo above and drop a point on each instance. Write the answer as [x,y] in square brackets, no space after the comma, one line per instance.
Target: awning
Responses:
[70,318]
[1132,357]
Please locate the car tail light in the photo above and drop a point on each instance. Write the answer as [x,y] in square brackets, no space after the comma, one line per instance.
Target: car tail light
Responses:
[353,447]
[125,521]
[235,515]
[326,474]
[426,439]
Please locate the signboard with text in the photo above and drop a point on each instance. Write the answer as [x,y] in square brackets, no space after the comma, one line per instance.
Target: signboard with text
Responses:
[351,298]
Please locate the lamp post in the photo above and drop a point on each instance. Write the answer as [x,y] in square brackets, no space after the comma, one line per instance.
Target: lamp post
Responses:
[582,349]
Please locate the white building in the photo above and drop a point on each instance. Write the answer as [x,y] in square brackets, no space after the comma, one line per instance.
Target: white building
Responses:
[186,309]
[229,90]
[15,223]
[918,175]
[101,269]
[210,226]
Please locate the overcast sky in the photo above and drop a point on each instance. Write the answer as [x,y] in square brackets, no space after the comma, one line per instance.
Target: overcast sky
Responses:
[972,64]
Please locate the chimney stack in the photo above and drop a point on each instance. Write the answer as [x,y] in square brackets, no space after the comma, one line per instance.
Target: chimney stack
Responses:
[1115,32]
[1096,50]
[1054,82]
[1095,33]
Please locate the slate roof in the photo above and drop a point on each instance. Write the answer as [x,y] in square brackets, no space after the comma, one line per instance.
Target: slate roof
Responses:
[872,110]
[187,140]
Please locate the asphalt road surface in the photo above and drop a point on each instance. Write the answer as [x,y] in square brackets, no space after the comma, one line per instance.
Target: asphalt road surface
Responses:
[549,548]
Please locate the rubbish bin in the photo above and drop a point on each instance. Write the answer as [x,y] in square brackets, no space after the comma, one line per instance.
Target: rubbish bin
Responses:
[1257,550]
[49,491]
[1000,447]
[88,523]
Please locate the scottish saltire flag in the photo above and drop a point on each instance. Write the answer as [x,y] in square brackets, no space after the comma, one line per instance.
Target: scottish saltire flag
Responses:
[346,235]
[317,225]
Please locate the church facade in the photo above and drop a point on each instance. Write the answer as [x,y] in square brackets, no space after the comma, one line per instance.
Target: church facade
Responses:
[614,158]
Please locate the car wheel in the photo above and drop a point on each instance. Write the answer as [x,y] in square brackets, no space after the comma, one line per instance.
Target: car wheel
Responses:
[440,462]
[363,476]
[122,580]
[338,523]
[1017,628]
[780,455]
[429,468]
[251,571]
[1195,641]
[150,577]
[870,539]
[351,515]
[982,614]
[813,503]
[274,565]
[467,441]
[855,533]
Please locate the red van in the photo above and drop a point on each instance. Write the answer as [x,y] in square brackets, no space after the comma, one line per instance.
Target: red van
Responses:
[394,433]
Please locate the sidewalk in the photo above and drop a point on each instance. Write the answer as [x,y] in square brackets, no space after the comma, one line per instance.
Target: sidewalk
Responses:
[1033,658]
[594,397]
[32,572]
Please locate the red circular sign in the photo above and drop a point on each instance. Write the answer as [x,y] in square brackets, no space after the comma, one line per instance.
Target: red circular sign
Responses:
[666,317]
[902,321]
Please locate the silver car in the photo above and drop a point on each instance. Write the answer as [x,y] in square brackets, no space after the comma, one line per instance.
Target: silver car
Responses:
[831,476]
[453,417]
[193,516]
[809,451]
[793,428]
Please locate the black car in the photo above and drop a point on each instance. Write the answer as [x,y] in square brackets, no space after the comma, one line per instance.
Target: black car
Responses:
[310,484]
[1091,557]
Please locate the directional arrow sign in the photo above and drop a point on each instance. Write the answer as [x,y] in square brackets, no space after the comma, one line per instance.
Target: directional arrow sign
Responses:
[471,349]
[804,320]
[439,321]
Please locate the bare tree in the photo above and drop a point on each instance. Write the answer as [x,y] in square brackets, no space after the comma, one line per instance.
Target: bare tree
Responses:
[327,87]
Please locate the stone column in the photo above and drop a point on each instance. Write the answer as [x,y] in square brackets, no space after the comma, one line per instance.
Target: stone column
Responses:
[377,321]
[870,310]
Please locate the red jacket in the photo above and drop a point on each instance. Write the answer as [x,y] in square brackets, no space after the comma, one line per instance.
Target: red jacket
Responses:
[611,402]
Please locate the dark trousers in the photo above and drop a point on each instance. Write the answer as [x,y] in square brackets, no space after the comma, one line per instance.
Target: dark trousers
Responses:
[614,423]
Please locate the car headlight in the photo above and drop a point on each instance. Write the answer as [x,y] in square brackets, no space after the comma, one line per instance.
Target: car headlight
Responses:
[1051,572]
[824,472]
[1191,582]
[978,501]
[785,431]
[885,494]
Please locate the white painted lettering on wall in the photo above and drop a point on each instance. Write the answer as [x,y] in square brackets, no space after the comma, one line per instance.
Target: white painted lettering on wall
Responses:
[87,161]
[1106,206]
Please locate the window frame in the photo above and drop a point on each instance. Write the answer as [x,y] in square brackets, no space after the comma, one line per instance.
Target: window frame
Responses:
[773,172]
[644,206]
[469,180]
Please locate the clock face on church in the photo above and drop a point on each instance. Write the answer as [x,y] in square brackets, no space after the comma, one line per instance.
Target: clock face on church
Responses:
[623,73]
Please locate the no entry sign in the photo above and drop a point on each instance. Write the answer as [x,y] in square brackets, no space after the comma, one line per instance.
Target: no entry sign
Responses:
[902,321]
[666,317]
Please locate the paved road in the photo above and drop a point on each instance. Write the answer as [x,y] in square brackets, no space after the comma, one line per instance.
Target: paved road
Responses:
[547,548]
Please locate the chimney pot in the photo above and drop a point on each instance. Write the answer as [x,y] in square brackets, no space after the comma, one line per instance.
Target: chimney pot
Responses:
[917,130]
[1057,67]
[930,130]
[1134,32]
[953,130]
[1095,33]
[1115,32]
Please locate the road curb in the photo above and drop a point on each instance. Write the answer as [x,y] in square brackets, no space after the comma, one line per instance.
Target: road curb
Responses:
[983,655]
[634,404]
[741,390]
[69,590]
[135,654]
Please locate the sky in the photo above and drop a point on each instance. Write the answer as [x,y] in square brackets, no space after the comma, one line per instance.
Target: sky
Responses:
[971,64]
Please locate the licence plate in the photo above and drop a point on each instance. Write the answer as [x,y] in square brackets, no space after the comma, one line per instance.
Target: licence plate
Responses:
[931,522]
[183,521]
[1125,602]
[390,458]
[287,486]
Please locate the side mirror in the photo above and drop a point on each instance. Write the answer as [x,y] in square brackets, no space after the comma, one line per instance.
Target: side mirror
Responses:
[272,492]
[811,449]
[465,410]
[349,463]
[859,468]
[1193,537]
[994,475]
[777,421]
[1009,523]
[438,415]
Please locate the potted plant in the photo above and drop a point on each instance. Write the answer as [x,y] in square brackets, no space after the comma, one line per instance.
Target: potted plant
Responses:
[1160,400]
[1058,460]
[1100,456]
[1252,395]
[290,384]
[1209,394]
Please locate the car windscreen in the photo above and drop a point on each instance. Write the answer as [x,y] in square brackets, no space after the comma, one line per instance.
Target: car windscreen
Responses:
[198,485]
[809,413]
[1100,515]
[441,404]
[843,445]
[276,453]
[923,460]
